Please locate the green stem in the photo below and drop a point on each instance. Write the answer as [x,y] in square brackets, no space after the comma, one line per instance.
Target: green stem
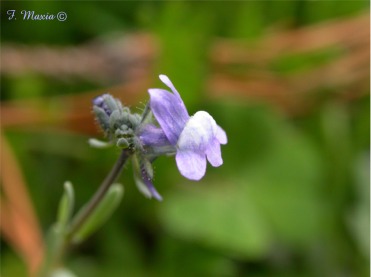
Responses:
[84,214]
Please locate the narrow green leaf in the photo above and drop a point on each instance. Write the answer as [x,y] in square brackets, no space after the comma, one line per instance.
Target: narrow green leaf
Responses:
[66,204]
[98,143]
[101,214]
[53,245]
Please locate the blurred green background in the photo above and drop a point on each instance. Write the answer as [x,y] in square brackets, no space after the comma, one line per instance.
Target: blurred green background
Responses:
[292,197]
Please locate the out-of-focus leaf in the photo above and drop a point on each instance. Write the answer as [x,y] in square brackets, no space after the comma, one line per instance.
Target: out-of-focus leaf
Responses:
[222,217]
[200,260]
[285,185]
[66,205]
[359,218]
[284,181]
[101,214]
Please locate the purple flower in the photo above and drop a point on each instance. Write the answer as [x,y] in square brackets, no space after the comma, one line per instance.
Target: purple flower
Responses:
[195,138]
[192,139]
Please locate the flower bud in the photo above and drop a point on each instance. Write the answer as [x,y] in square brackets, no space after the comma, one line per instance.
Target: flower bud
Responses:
[122,143]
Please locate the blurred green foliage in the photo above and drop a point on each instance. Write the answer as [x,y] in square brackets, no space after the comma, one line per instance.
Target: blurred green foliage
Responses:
[292,197]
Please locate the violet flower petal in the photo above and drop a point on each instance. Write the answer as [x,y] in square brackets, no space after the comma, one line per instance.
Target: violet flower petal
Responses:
[98,101]
[151,189]
[169,112]
[153,136]
[146,187]
[167,82]
[191,164]
[197,133]
[214,154]
[221,135]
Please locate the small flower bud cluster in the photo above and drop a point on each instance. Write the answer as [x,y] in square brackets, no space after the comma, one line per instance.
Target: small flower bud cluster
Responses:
[117,122]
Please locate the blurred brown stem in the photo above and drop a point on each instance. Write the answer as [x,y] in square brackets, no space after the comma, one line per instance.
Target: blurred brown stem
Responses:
[19,224]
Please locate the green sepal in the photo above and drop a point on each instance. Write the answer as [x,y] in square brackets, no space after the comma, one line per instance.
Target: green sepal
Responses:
[114,119]
[102,117]
[66,205]
[138,177]
[112,103]
[122,143]
[101,214]
[147,166]
[134,120]
[146,116]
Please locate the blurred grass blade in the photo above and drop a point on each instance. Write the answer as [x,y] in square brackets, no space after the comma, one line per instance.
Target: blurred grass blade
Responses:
[66,205]
[101,214]
[19,224]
